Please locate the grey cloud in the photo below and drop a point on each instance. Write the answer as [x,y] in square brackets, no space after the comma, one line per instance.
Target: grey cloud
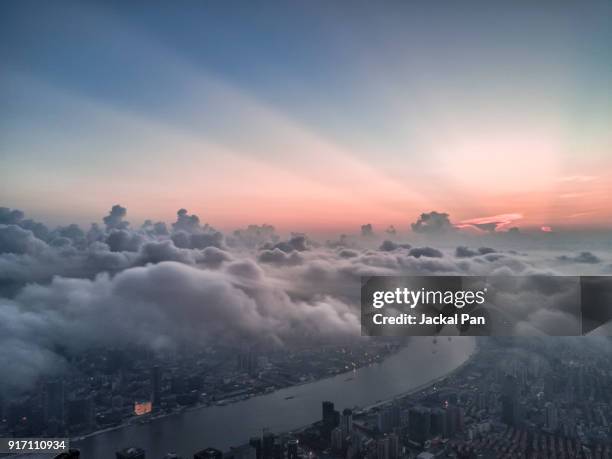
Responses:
[367,230]
[10,216]
[389,246]
[155,229]
[158,306]
[254,236]
[465,252]
[120,240]
[432,223]
[14,239]
[425,252]
[200,240]
[114,220]
[186,222]
[582,257]
[158,251]
[298,242]
[279,257]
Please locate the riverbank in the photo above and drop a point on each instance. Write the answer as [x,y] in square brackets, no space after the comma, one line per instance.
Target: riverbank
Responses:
[152,417]
[416,365]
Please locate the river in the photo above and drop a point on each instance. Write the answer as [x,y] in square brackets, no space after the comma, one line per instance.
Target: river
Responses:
[230,425]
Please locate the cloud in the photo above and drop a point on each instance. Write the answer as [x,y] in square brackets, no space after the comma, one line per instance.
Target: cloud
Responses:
[159,306]
[389,246]
[582,257]
[14,239]
[492,223]
[465,252]
[418,252]
[432,223]
[367,230]
[10,216]
[254,236]
[121,240]
[157,287]
[279,257]
[297,242]
[114,220]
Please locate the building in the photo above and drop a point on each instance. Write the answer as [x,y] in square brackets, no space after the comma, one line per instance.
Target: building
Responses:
[131,453]
[243,452]
[346,422]
[208,453]
[394,446]
[268,446]
[388,418]
[382,448]
[255,443]
[54,401]
[509,401]
[156,389]
[328,412]
[438,422]
[552,417]
[337,439]
[419,424]
[80,413]
[292,449]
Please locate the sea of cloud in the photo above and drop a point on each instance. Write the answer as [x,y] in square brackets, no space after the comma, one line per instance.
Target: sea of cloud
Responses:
[66,290]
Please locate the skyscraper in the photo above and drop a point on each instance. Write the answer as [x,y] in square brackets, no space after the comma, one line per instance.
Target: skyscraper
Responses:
[292,449]
[509,401]
[268,445]
[346,422]
[255,443]
[156,387]
[54,401]
[419,424]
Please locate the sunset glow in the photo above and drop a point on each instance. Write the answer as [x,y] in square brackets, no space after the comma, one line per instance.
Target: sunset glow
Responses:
[374,140]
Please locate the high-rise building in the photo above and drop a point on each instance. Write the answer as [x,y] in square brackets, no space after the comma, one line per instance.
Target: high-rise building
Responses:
[328,412]
[552,417]
[509,401]
[346,422]
[419,424]
[243,452]
[388,418]
[337,439]
[268,445]
[454,420]
[394,446]
[382,448]
[208,453]
[438,422]
[331,419]
[80,412]
[255,443]
[156,387]
[292,449]
[131,453]
[54,401]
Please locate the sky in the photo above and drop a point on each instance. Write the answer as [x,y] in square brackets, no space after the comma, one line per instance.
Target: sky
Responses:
[311,116]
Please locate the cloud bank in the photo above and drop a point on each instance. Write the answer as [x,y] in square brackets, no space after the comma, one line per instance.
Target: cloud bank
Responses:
[66,290]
